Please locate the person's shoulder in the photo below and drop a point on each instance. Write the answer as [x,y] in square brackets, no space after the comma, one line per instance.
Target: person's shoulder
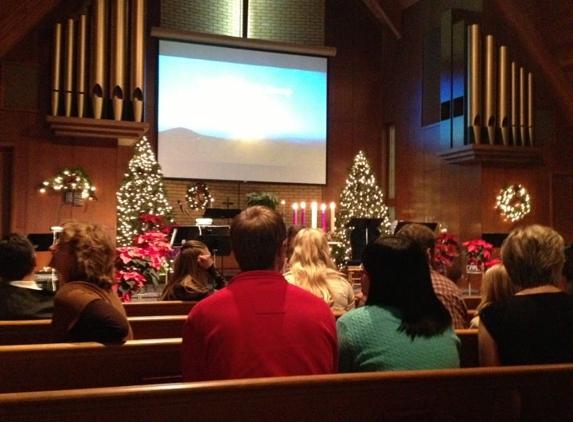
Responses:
[443,283]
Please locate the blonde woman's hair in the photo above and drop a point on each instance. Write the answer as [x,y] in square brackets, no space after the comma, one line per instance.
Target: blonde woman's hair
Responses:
[311,264]
[93,250]
[187,272]
[495,286]
[533,256]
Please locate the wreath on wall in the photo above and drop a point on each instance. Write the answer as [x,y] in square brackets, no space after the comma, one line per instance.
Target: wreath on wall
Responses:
[199,196]
[514,202]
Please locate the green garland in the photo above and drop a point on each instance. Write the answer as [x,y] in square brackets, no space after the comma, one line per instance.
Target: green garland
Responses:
[198,196]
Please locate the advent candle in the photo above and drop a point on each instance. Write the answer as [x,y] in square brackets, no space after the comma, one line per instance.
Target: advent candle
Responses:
[283,202]
[303,214]
[323,217]
[295,214]
[332,219]
[314,215]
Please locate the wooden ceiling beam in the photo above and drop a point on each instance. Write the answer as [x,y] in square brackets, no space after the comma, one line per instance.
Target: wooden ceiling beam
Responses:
[528,36]
[18,18]
[388,12]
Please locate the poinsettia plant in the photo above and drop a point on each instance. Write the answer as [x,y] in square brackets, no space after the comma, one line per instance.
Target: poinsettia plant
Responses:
[145,261]
[478,253]
[446,250]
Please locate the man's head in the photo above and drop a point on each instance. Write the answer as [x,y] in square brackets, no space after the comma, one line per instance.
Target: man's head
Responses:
[257,239]
[423,236]
[17,259]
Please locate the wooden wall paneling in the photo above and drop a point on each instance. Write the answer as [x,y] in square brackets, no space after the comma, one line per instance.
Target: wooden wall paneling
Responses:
[561,189]
[6,166]
[450,198]
[45,159]
[470,202]
[99,161]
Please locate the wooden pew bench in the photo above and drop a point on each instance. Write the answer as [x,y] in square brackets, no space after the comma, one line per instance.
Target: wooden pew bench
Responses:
[167,307]
[40,331]
[144,327]
[470,395]
[84,365]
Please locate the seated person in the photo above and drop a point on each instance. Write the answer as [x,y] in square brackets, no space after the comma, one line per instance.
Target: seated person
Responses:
[292,231]
[403,325]
[312,268]
[495,287]
[535,326]
[194,274]
[446,290]
[20,296]
[259,325]
[86,307]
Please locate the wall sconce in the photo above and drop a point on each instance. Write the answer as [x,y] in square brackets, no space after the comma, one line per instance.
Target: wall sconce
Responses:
[74,184]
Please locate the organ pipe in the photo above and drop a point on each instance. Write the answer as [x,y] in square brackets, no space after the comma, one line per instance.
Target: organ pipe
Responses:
[503,117]
[118,57]
[69,68]
[489,89]
[81,66]
[99,40]
[137,57]
[474,90]
[56,69]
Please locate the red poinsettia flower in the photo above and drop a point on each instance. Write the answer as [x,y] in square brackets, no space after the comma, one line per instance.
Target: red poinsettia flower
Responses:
[446,250]
[478,252]
[141,263]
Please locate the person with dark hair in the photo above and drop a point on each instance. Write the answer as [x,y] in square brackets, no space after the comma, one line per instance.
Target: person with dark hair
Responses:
[259,325]
[403,325]
[86,307]
[292,231]
[194,274]
[20,296]
[534,326]
[446,290]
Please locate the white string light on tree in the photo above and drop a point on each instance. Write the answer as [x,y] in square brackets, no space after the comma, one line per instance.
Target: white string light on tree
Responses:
[514,202]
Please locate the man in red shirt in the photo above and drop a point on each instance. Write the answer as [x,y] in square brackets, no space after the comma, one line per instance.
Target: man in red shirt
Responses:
[259,325]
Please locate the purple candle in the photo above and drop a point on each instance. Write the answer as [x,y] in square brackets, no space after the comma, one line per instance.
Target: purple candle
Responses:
[295,214]
[303,214]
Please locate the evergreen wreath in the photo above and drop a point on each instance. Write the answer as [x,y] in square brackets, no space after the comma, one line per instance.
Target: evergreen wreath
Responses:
[198,196]
[514,202]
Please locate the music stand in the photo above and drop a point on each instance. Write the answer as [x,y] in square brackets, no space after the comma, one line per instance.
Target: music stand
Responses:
[221,213]
[365,230]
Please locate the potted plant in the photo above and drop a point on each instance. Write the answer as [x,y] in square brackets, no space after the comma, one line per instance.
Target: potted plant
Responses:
[266,199]
[446,251]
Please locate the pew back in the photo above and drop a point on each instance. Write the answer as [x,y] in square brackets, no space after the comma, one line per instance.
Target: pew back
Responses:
[470,395]
[40,331]
[166,307]
[83,365]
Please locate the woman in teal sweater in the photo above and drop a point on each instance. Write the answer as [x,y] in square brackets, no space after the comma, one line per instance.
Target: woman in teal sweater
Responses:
[403,326]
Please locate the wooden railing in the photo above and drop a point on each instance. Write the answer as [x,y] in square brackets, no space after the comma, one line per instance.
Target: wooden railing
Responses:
[531,393]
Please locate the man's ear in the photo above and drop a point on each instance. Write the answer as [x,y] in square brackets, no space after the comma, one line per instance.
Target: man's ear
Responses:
[281,255]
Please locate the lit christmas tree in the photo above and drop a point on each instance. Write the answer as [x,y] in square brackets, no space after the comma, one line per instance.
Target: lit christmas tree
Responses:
[361,198]
[141,192]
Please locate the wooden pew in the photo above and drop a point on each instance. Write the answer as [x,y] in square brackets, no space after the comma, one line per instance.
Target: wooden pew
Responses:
[144,327]
[470,395]
[40,331]
[167,307]
[472,301]
[82,365]
[469,355]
